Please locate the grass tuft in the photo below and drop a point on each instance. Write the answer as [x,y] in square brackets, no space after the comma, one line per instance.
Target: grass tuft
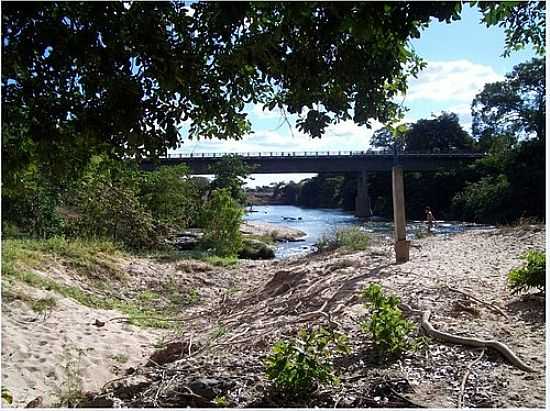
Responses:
[347,239]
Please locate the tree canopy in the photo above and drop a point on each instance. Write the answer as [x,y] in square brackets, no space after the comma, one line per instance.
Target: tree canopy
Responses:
[515,106]
[443,133]
[81,78]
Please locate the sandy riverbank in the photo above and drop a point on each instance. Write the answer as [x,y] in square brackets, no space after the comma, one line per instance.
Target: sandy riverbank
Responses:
[276,231]
[257,303]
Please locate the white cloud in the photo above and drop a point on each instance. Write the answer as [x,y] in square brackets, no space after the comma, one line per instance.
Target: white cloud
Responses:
[344,136]
[457,80]
[259,112]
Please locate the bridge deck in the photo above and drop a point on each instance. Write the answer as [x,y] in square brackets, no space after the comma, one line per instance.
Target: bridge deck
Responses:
[320,161]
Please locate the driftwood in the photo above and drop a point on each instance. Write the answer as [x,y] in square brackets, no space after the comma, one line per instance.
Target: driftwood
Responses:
[469,341]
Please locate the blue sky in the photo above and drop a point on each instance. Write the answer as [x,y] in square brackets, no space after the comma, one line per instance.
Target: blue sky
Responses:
[461,56]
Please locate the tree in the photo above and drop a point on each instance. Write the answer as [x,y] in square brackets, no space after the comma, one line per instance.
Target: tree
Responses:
[291,192]
[385,138]
[230,172]
[120,77]
[509,123]
[524,23]
[85,78]
[515,106]
[442,133]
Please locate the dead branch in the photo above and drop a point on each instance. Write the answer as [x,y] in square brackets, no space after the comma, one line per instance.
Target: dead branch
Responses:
[465,378]
[491,306]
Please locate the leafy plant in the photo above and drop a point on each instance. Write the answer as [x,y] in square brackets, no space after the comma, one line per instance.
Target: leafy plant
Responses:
[70,393]
[218,332]
[192,296]
[221,220]
[121,358]
[390,332]
[7,396]
[172,197]
[530,275]
[230,172]
[43,304]
[221,401]
[218,261]
[297,366]
[108,205]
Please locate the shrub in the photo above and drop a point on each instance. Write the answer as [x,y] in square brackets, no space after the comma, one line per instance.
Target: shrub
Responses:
[221,220]
[297,366]
[171,196]
[484,201]
[531,274]
[390,332]
[256,250]
[30,207]
[108,205]
[349,238]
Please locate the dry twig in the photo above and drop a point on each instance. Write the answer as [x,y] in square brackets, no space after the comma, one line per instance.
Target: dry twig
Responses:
[465,378]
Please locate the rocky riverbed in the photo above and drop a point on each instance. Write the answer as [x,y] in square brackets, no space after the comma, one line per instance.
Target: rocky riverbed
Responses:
[217,352]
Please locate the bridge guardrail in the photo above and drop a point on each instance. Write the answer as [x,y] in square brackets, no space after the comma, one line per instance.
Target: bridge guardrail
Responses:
[281,154]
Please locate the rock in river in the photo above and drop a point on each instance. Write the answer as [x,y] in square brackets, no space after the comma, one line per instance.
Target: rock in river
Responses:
[256,250]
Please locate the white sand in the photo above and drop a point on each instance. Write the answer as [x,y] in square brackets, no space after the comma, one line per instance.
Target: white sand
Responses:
[35,353]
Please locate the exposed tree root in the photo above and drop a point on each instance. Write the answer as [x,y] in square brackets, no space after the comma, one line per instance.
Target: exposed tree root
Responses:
[469,341]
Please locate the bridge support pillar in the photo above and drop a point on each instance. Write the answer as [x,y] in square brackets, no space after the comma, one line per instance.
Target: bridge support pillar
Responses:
[362,199]
[399,220]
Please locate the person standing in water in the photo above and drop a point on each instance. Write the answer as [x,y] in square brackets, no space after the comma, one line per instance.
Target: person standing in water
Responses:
[429,219]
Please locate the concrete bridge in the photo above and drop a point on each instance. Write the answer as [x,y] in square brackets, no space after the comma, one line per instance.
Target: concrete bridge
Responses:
[360,162]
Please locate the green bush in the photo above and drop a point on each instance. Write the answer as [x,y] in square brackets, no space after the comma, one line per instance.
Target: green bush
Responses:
[348,238]
[485,201]
[108,206]
[297,366]
[221,220]
[171,196]
[389,330]
[30,207]
[530,275]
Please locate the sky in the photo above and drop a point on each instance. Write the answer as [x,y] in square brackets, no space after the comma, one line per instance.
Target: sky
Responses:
[461,57]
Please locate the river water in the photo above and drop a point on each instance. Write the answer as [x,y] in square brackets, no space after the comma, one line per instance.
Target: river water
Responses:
[316,222]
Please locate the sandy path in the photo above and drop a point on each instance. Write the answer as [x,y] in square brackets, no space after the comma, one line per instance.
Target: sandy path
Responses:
[35,353]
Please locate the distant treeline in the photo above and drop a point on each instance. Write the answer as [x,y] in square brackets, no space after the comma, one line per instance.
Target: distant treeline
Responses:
[500,188]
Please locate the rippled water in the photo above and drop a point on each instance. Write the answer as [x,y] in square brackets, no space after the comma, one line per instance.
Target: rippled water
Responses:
[316,222]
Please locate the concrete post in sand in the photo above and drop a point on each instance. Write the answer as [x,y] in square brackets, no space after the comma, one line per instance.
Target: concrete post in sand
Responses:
[362,199]
[400,228]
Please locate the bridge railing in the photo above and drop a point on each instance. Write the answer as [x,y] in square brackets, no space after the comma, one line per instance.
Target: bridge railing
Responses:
[279,154]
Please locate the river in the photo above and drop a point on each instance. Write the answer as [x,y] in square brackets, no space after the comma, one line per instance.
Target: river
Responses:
[315,222]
